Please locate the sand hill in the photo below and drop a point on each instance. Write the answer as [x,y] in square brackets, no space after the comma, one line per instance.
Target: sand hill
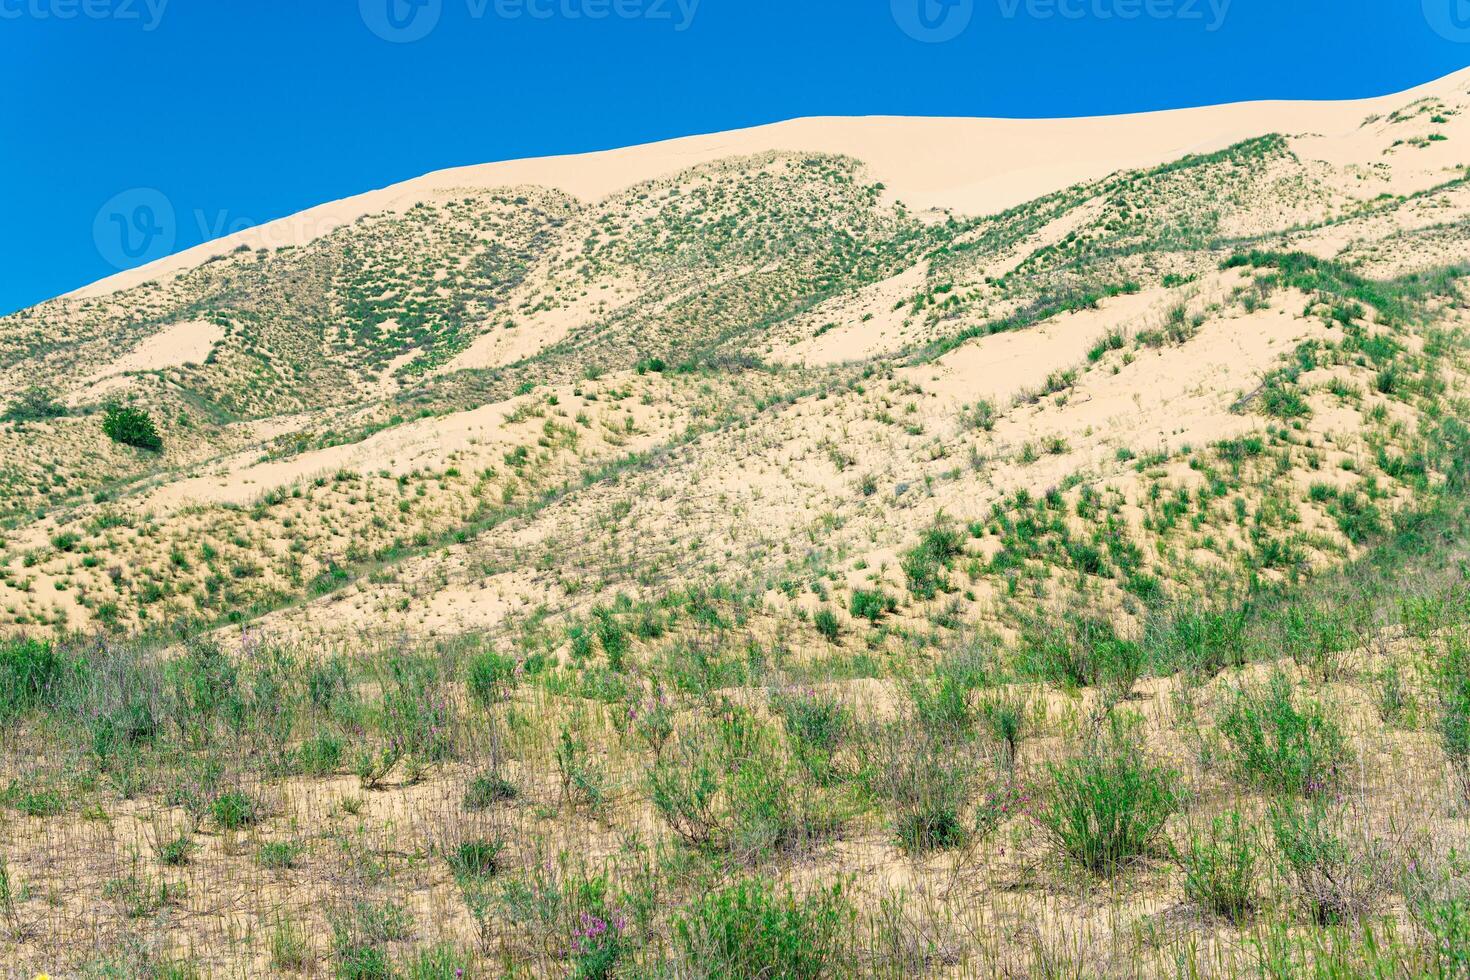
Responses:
[822,464]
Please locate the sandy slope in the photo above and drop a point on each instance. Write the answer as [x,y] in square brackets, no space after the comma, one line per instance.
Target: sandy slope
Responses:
[973,166]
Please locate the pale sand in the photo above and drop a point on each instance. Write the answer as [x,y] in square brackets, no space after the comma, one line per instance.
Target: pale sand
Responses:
[174,346]
[973,166]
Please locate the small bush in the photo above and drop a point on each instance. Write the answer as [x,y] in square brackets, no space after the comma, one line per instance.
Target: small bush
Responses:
[487,789]
[613,637]
[942,705]
[475,859]
[871,604]
[1112,340]
[29,671]
[1276,743]
[1006,718]
[131,427]
[1283,400]
[1108,805]
[924,564]
[1333,882]
[826,623]
[361,933]
[321,754]
[1453,723]
[278,855]
[1082,652]
[439,962]
[175,853]
[490,677]
[232,811]
[1202,640]
[981,415]
[1220,868]
[724,786]
[289,947]
[816,726]
[928,787]
[750,931]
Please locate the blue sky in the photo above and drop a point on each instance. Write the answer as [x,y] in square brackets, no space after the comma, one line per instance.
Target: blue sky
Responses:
[185,119]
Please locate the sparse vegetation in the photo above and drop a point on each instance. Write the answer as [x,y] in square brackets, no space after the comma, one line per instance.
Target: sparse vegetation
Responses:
[549,588]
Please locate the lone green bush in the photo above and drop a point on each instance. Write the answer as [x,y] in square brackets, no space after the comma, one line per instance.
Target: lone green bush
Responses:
[750,931]
[132,427]
[1108,805]
[1220,868]
[1280,744]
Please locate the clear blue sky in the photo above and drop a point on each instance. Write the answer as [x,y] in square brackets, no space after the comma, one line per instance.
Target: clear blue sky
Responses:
[239,111]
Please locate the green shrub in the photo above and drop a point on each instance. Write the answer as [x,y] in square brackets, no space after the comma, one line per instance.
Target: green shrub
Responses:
[329,579]
[1279,744]
[613,637]
[942,705]
[278,855]
[438,962]
[924,564]
[1108,805]
[475,859]
[34,802]
[321,754]
[1220,868]
[981,415]
[751,931]
[487,789]
[30,670]
[1318,636]
[816,726]
[1283,400]
[131,427]
[1081,652]
[1334,882]
[362,962]
[361,933]
[232,811]
[926,784]
[826,623]
[490,677]
[1452,679]
[327,684]
[1202,640]
[871,604]
[583,780]
[725,786]
[1006,718]
[1112,340]
[1446,922]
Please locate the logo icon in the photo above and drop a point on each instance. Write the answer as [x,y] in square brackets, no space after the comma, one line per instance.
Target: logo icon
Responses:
[1449,18]
[933,21]
[401,21]
[135,227]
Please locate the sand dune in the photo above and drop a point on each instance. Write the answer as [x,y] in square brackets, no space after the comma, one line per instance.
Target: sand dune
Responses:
[972,166]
